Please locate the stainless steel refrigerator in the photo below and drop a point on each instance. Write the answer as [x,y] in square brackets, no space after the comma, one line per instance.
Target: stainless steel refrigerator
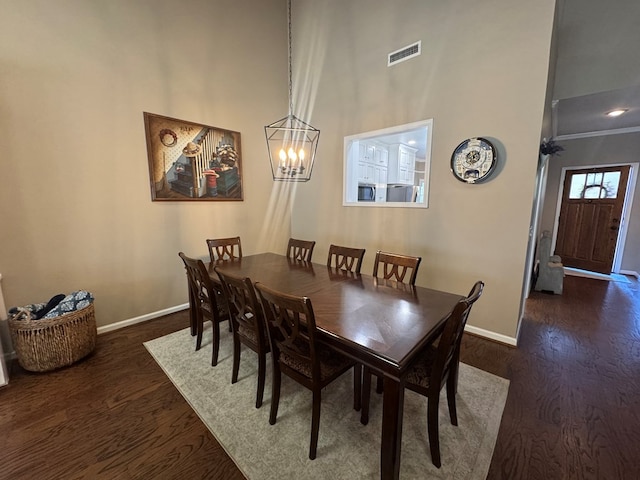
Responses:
[400,193]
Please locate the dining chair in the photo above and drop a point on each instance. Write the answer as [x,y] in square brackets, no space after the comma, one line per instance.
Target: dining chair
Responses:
[224,248]
[247,325]
[206,302]
[435,367]
[393,266]
[345,258]
[300,249]
[296,351]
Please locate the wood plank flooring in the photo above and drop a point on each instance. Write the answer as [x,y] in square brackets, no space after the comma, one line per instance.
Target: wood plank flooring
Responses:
[114,415]
[573,409]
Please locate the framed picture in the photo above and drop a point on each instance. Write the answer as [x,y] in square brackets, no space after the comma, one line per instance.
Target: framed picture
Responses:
[189,161]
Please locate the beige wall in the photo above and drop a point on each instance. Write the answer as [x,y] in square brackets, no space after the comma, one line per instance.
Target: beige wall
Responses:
[482,72]
[75,77]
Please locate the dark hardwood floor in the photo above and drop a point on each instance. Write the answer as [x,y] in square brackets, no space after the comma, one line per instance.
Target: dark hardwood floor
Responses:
[114,415]
[573,410]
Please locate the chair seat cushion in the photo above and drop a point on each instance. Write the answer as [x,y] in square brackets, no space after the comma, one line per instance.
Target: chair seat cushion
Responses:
[206,307]
[331,362]
[223,313]
[248,333]
[420,371]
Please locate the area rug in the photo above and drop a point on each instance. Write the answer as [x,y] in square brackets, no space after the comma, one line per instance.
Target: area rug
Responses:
[346,448]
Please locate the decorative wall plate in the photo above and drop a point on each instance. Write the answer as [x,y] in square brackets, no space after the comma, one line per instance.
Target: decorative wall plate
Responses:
[474,160]
[168,137]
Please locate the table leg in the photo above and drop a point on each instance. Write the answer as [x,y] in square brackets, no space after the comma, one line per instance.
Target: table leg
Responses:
[393,404]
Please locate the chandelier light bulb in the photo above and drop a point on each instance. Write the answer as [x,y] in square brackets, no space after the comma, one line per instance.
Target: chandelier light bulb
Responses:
[292,154]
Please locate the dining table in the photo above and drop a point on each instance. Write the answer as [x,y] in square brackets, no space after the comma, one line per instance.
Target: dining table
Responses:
[379,323]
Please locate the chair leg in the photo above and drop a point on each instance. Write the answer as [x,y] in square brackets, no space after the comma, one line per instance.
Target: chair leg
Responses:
[199,330]
[451,399]
[236,359]
[455,369]
[366,395]
[275,393]
[315,423]
[262,366]
[357,386]
[379,384]
[216,343]
[193,315]
[432,428]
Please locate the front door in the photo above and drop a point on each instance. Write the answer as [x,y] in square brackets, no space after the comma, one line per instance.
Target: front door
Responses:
[590,215]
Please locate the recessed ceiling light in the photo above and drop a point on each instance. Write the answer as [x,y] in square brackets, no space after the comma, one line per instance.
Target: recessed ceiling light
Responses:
[617,112]
[412,142]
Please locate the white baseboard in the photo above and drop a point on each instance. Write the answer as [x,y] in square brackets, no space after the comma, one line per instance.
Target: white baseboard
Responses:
[631,273]
[150,316]
[576,272]
[124,323]
[143,318]
[481,332]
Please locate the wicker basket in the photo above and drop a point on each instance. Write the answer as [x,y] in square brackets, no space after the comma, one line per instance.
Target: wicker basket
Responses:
[46,344]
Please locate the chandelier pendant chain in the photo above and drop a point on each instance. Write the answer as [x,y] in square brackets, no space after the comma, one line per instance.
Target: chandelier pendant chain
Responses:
[292,143]
[290,60]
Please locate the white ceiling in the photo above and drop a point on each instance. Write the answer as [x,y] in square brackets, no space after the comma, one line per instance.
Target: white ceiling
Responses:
[578,116]
[412,135]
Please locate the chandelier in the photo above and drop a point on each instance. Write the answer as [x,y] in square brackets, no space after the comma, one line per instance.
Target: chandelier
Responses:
[292,143]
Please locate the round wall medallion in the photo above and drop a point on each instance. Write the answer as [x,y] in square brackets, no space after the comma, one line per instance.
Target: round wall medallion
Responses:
[474,160]
[168,137]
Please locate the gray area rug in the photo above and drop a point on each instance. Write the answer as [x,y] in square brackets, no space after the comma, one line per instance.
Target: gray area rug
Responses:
[346,449]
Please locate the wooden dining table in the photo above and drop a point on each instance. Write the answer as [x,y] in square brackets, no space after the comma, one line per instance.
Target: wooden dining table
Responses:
[379,323]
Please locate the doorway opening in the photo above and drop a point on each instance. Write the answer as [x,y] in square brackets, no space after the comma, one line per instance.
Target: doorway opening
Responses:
[592,215]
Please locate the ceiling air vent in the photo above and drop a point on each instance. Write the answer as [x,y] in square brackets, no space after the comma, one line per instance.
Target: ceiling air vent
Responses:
[404,53]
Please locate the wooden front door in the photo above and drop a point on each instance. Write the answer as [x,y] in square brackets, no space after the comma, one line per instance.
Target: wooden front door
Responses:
[590,216]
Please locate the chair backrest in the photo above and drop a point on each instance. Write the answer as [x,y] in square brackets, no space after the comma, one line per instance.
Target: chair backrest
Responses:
[224,248]
[300,249]
[243,303]
[203,290]
[449,343]
[291,327]
[345,258]
[396,266]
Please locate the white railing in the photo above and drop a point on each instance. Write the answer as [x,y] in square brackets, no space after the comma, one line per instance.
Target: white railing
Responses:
[200,162]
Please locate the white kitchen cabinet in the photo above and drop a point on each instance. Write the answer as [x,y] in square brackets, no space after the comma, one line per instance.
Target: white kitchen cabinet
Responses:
[370,152]
[380,177]
[366,172]
[366,152]
[381,156]
[372,163]
[401,164]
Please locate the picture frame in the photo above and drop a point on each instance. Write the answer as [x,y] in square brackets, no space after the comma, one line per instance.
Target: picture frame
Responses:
[190,161]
